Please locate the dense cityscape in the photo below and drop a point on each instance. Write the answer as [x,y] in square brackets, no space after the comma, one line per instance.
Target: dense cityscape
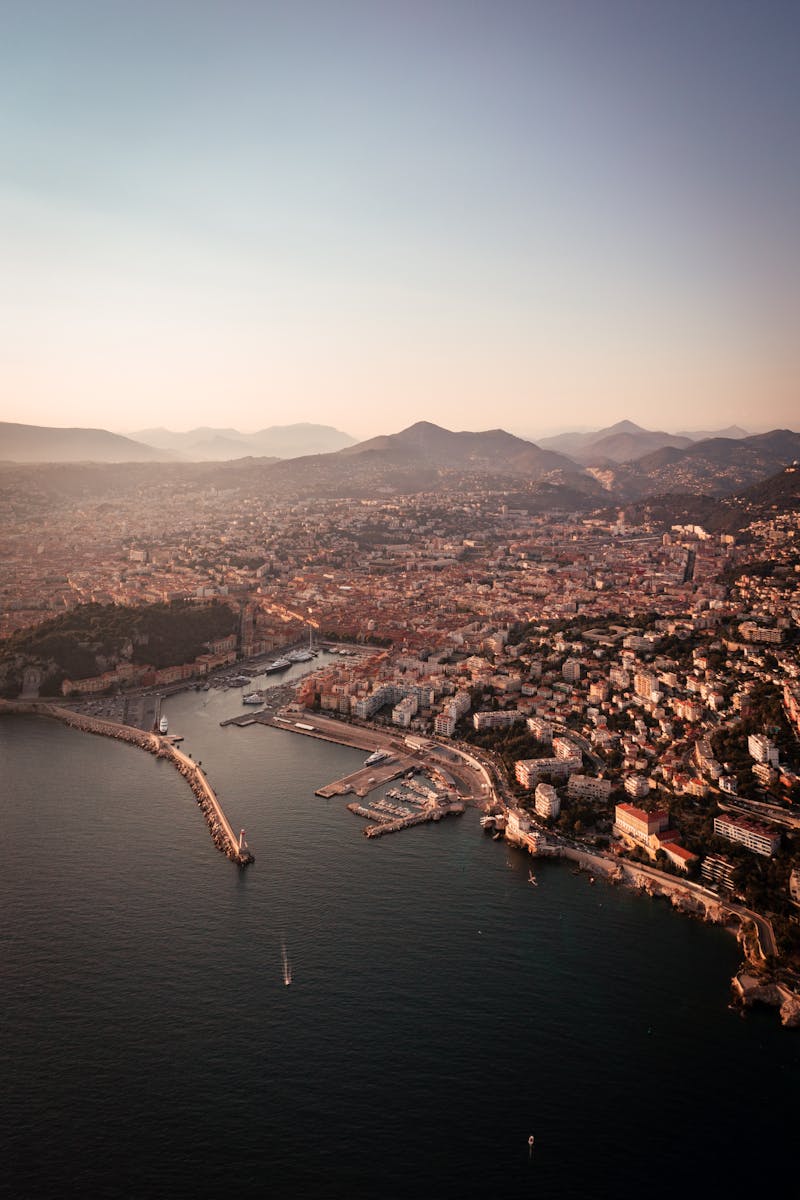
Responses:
[633,688]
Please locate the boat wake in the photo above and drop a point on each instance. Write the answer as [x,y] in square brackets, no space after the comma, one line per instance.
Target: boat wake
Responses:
[287,966]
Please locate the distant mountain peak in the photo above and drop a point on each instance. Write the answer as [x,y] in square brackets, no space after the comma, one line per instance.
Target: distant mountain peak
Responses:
[621,427]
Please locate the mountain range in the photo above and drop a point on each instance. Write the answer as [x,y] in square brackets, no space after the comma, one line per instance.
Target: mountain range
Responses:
[205,444]
[715,467]
[427,457]
[626,442]
[43,444]
[491,449]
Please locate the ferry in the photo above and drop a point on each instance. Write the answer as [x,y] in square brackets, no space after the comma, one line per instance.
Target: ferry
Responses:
[253,698]
[377,757]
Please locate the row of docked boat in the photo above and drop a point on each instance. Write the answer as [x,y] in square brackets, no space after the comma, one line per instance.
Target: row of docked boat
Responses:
[294,656]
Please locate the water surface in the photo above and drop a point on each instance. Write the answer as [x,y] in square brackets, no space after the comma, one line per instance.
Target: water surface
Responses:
[441,1009]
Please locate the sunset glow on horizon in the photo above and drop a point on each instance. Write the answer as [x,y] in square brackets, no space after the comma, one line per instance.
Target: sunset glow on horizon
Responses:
[530,215]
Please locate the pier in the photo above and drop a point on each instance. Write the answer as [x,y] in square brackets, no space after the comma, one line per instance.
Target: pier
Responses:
[221,830]
[365,779]
[385,824]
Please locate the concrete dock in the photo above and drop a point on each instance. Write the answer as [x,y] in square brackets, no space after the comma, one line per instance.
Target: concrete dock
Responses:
[363,781]
[384,824]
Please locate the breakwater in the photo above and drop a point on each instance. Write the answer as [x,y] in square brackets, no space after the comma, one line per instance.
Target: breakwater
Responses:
[221,831]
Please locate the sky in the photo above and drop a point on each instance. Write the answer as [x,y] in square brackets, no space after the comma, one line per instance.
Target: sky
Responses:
[528,214]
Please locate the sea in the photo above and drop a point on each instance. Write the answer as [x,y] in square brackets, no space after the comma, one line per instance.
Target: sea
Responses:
[449,1030]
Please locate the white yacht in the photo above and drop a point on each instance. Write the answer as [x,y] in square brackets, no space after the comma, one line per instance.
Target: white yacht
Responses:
[377,757]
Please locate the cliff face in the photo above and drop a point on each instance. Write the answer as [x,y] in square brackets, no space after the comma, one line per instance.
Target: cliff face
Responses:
[694,903]
[752,989]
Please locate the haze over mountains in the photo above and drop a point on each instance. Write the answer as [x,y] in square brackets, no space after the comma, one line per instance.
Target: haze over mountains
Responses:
[205,444]
[492,448]
[610,465]
[626,441]
[40,444]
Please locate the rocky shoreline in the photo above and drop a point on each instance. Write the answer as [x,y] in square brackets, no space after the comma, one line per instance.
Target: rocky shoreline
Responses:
[754,983]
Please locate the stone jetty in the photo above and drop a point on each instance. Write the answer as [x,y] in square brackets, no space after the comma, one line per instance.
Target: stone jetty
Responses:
[221,831]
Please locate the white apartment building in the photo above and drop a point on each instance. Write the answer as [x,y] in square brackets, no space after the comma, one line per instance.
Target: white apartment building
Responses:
[761,839]
[637,786]
[563,748]
[404,711]
[762,749]
[530,770]
[445,723]
[586,787]
[496,720]
[571,670]
[542,730]
[546,801]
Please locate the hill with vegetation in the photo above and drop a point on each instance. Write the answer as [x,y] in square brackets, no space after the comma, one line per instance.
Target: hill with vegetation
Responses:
[90,639]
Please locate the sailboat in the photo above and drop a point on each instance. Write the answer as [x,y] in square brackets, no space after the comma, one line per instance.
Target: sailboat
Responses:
[287,969]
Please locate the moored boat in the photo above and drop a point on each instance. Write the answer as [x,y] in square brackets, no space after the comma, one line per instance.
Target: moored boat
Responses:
[378,757]
[280,664]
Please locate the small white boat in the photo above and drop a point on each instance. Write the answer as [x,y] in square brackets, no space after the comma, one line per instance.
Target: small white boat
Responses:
[287,968]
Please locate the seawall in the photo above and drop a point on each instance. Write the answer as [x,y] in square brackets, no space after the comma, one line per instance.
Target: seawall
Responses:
[219,826]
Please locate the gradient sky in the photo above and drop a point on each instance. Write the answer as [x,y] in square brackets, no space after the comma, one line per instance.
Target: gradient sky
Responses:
[535,215]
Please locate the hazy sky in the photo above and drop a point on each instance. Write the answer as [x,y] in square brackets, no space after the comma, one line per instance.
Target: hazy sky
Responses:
[360,212]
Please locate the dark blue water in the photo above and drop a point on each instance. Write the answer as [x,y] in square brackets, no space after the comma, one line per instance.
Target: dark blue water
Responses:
[441,1009]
